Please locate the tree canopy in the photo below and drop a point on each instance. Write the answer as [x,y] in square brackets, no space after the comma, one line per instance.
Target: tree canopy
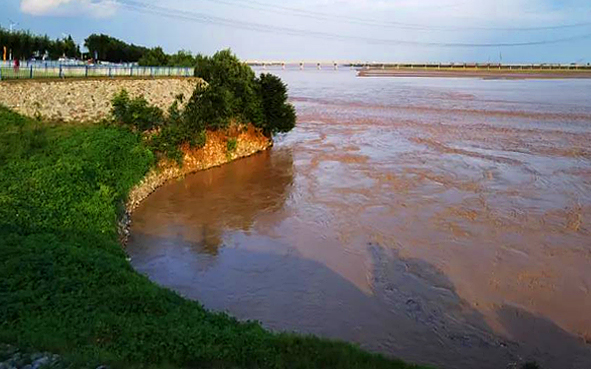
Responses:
[25,45]
[110,49]
[235,92]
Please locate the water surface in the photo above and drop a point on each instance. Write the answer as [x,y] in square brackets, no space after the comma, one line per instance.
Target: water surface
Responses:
[442,221]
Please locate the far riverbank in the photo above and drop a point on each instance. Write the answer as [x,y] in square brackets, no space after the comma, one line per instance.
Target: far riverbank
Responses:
[477,73]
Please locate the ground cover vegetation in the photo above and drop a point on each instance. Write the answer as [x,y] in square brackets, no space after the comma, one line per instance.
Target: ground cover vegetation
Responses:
[67,287]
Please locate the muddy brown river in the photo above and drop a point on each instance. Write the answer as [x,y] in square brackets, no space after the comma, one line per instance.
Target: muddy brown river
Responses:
[441,221]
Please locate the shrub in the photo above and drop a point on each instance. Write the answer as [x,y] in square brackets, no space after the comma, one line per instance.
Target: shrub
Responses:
[135,113]
[154,58]
[168,142]
[180,126]
[235,81]
[279,115]
[231,144]
[209,107]
[233,94]
[179,129]
[174,113]
[182,58]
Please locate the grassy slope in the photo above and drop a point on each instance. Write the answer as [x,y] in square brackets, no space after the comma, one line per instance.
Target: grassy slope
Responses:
[66,286]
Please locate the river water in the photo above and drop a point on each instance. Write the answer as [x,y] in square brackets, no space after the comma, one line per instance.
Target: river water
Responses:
[442,221]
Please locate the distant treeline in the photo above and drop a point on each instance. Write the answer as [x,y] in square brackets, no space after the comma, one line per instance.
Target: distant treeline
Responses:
[25,45]
[110,49]
[113,50]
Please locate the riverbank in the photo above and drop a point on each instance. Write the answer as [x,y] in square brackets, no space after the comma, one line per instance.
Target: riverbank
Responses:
[476,73]
[67,287]
[248,141]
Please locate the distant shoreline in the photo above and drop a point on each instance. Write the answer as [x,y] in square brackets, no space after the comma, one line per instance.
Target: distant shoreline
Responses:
[473,73]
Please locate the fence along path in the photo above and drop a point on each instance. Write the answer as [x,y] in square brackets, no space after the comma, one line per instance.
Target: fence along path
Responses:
[83,71]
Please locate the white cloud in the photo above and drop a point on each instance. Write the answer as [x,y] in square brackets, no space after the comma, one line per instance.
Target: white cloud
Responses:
[97,8]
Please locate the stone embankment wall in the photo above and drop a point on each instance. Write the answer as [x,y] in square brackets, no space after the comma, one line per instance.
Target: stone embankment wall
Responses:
[88,100]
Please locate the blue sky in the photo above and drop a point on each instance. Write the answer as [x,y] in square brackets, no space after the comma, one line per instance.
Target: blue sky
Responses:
[408,30]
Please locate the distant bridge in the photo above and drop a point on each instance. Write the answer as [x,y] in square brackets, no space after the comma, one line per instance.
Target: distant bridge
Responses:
[323,64]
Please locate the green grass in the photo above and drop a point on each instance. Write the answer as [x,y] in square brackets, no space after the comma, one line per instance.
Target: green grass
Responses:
[67,288]
[231,144]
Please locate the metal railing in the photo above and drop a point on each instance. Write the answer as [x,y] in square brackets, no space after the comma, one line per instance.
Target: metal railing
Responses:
[36,71]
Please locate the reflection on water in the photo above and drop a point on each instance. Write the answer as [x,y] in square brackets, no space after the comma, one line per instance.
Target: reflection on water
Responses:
[442,221]
[195,211]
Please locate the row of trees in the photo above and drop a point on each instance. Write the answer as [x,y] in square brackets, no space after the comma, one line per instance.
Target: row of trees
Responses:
[24,45]
[111,49]
[156,57]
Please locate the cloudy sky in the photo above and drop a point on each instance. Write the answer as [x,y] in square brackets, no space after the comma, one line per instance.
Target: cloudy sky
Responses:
[364,30]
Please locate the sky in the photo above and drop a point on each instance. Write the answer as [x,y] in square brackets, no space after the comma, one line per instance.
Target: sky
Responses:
[511,31]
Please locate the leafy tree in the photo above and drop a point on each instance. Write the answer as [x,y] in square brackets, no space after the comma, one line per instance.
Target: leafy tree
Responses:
[154,57]
[25,45]
[210,107]
[182,58]
[135,113]
[232,93]
[71,50]
[226,74]
[238,94]
[113,50]
[279,115]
